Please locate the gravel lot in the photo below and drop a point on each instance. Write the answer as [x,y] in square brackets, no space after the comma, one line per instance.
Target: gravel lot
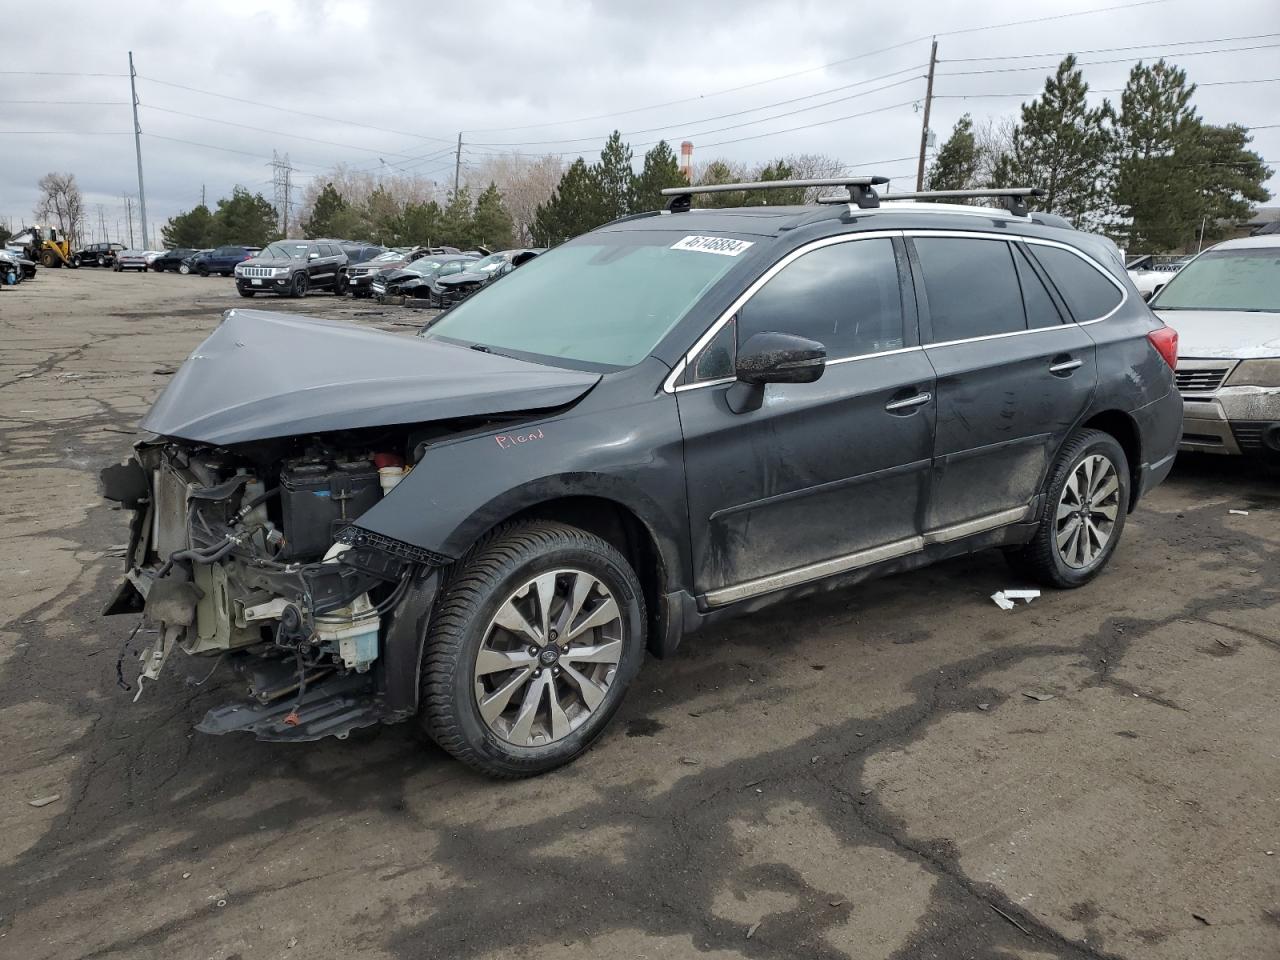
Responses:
[863,775]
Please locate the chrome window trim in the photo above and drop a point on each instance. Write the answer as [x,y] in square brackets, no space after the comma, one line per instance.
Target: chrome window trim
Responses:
[669,385]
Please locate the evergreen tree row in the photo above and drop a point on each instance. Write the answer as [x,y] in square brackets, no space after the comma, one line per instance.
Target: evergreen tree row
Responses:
[1149,172]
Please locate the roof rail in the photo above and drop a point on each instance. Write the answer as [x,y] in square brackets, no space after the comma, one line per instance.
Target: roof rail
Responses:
[1015,198]
[861,190]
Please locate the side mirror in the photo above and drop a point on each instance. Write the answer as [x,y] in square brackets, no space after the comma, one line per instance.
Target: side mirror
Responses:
[773,358]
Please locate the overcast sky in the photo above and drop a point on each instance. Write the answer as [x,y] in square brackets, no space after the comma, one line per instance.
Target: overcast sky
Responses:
[419,73]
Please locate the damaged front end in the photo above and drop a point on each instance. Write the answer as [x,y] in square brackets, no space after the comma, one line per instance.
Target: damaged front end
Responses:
[248,554]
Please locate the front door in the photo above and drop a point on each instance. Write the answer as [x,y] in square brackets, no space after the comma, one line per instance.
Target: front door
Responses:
[1015,374]
[827,476]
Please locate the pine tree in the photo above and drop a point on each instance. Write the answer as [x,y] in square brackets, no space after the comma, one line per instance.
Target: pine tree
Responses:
[576,206]
[456,225]
[956,165]
[244,217]
[191,230]
[718,172]
[420,223]
[1061,146]
[1229,179]
[491,223]
[329,206]
[661,170]
[383,214]
[616,178]
[778,170]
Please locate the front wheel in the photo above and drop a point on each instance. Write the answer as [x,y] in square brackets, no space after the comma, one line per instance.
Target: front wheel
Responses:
[74,262]
[184,268]
[1087,498]
[299,286]
[531,647]
[246,293]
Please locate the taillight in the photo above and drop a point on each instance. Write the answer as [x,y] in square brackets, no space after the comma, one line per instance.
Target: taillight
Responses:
[1165,340]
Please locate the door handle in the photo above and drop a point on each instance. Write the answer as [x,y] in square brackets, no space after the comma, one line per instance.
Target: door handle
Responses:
[1066,366]
[909,402]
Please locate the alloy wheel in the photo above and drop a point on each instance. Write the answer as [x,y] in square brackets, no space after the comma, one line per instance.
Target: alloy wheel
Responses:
[548,658]
[1087,511]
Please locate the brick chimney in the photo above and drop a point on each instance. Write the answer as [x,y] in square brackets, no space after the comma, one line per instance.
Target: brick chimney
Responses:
[686,160]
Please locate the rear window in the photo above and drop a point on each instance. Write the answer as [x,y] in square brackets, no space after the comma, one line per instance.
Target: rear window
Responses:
[1088,294]
[972,288]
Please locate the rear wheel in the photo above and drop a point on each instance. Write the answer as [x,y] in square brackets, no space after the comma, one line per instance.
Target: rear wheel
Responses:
[531,647]
[1087,497]
[340,285]
[202,270]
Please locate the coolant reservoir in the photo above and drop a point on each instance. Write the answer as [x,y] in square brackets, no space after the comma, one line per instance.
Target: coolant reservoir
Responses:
[388,477]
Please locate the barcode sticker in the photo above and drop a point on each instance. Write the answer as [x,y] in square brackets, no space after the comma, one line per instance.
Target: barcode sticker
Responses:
[725,246]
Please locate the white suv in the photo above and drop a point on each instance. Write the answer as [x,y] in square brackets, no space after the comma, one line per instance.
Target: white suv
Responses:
[1225,305]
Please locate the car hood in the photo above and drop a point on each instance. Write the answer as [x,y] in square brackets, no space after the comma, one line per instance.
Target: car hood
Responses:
[396,275]
[1224,334]
[261,375]
[460,278]
[271,262]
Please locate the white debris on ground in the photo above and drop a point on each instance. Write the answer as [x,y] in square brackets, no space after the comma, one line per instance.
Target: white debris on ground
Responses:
[1004,598]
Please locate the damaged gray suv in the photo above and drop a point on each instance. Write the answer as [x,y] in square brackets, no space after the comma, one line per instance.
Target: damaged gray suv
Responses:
[679,417]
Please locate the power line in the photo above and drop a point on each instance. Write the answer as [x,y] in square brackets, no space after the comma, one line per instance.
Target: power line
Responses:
[726,116]
[77,133]
[77,103]
[825,66]
[1140,46]
[274,133]
[1097,63]
[55,73]
[807,126]
[300,113]
[993,96]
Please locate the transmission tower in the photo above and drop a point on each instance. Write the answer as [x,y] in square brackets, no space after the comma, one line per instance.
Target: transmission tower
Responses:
[281,175]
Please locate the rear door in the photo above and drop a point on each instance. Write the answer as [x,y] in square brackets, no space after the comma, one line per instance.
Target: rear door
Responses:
[828,476]
[1014,375]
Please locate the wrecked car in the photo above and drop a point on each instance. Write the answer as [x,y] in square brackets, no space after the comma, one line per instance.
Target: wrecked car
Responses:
[1226,303]
[448,290]
[673,419]
[415,279]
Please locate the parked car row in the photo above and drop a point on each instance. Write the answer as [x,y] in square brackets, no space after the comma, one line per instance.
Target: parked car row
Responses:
[448,279]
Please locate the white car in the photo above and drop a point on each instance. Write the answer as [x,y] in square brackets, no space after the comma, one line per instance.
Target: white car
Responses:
[135,260]
[1150,273]
[1225,305]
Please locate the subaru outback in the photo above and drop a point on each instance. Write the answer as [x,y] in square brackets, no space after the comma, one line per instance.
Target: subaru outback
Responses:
[676,418]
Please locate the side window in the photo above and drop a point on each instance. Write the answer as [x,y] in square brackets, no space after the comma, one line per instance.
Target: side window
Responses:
[718,358]
[845,295]
[1041,310]
[1088,294]
[972,287]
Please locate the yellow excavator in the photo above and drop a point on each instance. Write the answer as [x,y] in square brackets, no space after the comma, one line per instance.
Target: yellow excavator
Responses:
[43,244]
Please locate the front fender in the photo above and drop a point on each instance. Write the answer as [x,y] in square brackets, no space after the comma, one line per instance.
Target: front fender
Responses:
[628,452]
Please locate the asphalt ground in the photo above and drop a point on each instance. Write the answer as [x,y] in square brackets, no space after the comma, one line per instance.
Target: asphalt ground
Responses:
[864,774]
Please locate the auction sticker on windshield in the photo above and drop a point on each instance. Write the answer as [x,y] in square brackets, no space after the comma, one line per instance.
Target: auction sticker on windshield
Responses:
[725,246]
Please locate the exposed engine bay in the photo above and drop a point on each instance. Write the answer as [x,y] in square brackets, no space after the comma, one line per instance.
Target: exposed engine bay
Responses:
[249,554]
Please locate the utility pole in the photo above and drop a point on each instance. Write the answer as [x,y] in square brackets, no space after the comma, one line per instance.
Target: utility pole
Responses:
[928,102]
[280,171]
[457,165]
[128,212]
[202,195]
[102,222]
[137,146]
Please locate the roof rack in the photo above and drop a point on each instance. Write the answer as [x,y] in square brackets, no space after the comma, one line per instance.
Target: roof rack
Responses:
[1015,198]
[861,190]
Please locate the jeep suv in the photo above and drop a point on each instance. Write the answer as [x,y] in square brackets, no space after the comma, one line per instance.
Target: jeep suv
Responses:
[100,254]
[675,418]
[291,268]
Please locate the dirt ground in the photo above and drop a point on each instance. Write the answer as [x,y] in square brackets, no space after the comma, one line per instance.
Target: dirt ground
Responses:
[865,775]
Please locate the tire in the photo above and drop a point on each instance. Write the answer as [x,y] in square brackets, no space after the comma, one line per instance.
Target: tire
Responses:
[245,293]
[184,269]
[340,285]
[202,270]
[48,260]
[298,288]
[158,267]
[490,578]
[1083,554]
[74,262]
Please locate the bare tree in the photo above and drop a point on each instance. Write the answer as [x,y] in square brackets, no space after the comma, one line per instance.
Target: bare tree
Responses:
[993,140]
[815,166]
[60,201]
[525,183]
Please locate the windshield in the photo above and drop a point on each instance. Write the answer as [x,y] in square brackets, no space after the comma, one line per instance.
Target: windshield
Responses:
[423,266]
[284,251]
[1246,278]
[607,299]
[488,264]
[389,255]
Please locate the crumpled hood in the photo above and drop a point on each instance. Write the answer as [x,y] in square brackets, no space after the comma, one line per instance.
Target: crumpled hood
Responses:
[1224,334]
[262,375]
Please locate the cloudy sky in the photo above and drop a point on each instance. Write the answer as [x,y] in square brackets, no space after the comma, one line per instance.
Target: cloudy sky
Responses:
[382,85]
